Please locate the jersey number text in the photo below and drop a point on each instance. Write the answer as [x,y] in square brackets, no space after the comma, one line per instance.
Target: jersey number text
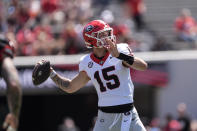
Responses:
[107,77]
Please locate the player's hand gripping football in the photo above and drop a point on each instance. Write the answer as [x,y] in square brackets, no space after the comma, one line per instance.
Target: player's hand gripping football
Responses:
[10,123]
[112,47]
[41,72]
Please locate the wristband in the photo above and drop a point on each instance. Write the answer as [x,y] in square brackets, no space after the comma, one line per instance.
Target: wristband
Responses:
[53,74]
[129,59]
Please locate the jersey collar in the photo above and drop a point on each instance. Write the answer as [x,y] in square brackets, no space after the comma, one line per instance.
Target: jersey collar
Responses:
[99,61]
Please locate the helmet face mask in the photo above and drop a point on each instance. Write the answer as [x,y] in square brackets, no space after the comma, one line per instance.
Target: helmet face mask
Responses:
[95,34]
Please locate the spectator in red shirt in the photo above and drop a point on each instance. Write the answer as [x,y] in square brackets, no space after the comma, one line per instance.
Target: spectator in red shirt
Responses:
[49,6]
[171,125]
[186,26]
[137,9]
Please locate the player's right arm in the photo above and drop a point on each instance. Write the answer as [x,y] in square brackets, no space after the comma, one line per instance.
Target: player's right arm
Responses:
[68,85]
[14,93]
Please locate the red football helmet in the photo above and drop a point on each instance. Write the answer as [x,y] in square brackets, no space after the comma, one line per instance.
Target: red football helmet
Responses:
[95,32]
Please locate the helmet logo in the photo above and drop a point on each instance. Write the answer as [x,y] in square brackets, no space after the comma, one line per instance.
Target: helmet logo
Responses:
[89,28]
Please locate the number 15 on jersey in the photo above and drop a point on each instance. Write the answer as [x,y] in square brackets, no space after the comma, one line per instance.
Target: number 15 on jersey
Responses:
[110,85]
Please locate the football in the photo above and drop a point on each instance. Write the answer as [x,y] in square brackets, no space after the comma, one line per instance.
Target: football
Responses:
[41,72]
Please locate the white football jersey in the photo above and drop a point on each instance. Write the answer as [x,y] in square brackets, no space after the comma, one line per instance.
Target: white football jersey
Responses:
[111,79]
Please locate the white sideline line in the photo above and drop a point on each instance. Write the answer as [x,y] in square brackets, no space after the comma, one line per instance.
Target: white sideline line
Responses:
[168,55]
[158,56]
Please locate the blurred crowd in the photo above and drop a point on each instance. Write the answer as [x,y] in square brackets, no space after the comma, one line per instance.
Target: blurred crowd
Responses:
[182,122]
[44,27]
[52,27]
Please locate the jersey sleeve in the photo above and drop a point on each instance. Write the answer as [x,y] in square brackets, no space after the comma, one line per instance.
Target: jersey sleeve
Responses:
[125,49]
[82,64]
[6,49]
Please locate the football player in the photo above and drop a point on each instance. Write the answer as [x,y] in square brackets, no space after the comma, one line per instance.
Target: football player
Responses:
[108,67]
[14,94]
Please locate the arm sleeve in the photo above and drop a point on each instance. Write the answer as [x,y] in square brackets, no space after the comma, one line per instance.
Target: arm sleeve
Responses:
[6,50]
[81,65]
[125,49]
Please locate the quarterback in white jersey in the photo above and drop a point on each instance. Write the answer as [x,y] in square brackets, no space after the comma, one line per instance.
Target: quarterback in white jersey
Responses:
[108,67]
[110,77]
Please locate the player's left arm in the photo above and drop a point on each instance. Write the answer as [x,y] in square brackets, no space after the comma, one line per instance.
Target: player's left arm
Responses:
[128,60]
